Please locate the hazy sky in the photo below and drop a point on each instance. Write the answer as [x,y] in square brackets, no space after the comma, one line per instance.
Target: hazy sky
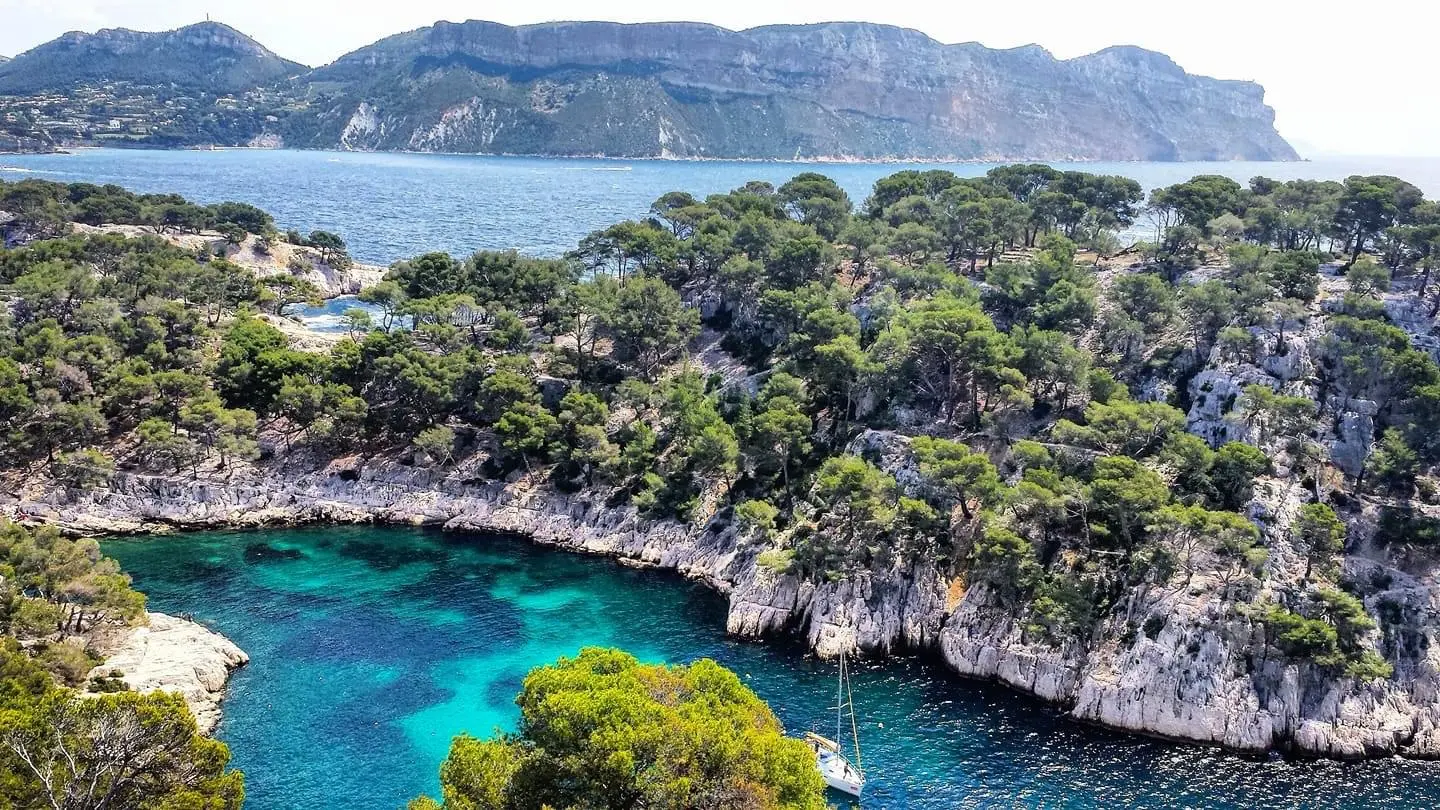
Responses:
[1353,77]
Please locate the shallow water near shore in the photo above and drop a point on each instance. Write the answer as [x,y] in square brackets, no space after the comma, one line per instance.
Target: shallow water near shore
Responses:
[372,646]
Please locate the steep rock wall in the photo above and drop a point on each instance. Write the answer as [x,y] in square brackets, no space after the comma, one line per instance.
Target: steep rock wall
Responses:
[1195,677]
[841,90]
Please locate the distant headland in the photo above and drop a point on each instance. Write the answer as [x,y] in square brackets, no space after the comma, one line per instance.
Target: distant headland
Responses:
[828,91]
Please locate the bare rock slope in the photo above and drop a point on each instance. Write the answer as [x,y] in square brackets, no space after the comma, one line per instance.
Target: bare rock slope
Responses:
[828,90]
[171,654]
[840,90]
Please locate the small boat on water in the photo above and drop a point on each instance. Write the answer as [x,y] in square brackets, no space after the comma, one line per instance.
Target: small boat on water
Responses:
[839,772]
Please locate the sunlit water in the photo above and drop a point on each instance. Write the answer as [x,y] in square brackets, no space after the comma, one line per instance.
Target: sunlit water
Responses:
[371,647]
[392,206]
[329,316]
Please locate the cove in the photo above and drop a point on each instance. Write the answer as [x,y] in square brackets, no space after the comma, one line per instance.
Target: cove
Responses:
[372,646]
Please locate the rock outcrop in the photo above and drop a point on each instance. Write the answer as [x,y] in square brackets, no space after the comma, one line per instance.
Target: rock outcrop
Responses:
[30,144]
[171,654]
[1191,673]
[262,258]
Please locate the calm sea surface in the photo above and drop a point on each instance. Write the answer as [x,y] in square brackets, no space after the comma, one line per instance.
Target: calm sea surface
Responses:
[392,206]
[371,647]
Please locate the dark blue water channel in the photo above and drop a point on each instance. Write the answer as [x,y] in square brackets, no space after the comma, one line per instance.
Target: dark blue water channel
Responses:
[372,647]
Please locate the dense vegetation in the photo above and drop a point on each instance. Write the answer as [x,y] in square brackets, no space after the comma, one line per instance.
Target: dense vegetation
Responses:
[603,730]
[969,373]
[46,210]
[53,590]
[59,749]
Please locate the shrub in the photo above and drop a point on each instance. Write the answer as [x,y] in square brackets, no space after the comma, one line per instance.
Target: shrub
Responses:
[604,725]
[68,660]
[777,560]
[757,517]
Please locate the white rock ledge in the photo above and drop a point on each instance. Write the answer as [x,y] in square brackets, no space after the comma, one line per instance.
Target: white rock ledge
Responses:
[176,655]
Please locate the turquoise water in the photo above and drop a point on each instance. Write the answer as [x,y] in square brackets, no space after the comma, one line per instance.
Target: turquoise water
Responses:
[372,647]
[329,316]
[392,206]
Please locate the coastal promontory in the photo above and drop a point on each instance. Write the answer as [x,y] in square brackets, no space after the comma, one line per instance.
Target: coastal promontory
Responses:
[1185,488]
[174,654]
[838,91]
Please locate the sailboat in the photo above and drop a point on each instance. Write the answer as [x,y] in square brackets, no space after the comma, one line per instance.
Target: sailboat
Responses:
[839,772]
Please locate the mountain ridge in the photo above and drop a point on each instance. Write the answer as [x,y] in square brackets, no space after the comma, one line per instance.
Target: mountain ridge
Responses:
[853,90]
[845,90]
[230,61]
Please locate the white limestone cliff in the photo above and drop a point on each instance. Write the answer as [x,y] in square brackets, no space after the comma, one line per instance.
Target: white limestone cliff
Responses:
[1193,674]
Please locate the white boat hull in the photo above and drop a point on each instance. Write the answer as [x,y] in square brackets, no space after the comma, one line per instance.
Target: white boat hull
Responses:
[839,773]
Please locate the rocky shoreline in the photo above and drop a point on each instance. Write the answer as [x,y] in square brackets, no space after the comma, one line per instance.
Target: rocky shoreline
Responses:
[173,654]
[262,258]
[1192,678]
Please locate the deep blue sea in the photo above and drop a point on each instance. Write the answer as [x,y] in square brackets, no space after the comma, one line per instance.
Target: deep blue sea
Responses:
[371,647]
[392,206]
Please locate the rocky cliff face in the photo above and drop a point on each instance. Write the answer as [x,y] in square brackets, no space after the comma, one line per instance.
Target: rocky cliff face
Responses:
[1193,673]
[25,144]
[206,56]
[828,90]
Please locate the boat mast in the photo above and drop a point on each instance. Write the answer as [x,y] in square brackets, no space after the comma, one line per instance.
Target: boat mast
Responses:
[854,729]
[845,697]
